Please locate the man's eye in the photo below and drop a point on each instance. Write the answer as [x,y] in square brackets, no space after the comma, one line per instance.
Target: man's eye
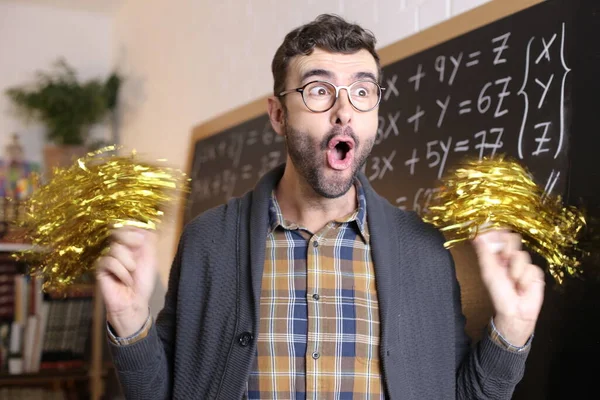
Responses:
[319,91]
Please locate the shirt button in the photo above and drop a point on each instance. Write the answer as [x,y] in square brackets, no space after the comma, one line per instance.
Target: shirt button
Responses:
[315,244]
[245,339]
[316,296]
[316,355]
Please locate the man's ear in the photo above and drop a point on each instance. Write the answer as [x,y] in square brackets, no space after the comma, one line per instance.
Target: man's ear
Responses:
[276,115]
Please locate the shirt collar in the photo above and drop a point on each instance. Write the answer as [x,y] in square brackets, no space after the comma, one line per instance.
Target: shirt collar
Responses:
[359,215]
[275,214]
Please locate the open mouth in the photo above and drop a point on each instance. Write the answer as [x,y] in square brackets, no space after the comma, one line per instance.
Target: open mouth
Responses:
[341,147]
[340,152]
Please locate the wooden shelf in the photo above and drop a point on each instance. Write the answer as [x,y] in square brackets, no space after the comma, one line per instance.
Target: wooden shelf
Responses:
[50,376]
[74,290]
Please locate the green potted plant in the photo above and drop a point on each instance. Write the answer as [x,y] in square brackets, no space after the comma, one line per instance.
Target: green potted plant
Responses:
[67,108]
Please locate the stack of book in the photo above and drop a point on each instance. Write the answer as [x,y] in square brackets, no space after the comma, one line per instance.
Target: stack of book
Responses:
[41,331]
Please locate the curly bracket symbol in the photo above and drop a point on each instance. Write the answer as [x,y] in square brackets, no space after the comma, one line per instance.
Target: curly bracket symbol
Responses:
[562,91]
[522,92]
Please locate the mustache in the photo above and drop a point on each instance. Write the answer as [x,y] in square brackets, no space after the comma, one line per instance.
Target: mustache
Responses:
[339,131]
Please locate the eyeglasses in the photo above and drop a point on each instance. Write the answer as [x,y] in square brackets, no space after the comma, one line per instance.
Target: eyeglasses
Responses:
[320,96]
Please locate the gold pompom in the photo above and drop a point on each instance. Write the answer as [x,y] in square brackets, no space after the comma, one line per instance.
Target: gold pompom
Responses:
[479,195]
[69,219]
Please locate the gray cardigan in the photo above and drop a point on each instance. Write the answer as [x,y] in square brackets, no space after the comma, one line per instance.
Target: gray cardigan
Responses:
[202,344]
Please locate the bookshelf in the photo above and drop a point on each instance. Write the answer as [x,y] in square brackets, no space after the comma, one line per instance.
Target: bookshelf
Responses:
[83,376]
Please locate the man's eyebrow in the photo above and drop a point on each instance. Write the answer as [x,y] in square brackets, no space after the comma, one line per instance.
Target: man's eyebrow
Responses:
[316,72]
[365,75]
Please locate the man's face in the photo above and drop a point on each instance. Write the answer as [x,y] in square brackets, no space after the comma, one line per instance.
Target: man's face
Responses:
[327,149]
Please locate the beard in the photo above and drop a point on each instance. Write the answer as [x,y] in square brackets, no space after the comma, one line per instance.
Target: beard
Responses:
[307,156]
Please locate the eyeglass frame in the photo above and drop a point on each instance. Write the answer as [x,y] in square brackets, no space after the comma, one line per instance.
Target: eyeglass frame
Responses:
[337,93]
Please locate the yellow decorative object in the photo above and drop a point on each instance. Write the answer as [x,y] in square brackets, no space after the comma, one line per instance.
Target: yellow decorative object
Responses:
[479,195]
[69,219]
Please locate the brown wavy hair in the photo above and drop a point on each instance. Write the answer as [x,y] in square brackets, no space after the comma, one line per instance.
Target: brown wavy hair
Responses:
[329,32]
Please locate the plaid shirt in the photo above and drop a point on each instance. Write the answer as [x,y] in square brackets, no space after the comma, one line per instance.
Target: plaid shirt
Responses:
[319,314]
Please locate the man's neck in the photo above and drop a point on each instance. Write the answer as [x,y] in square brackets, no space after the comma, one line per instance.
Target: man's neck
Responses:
[300,204]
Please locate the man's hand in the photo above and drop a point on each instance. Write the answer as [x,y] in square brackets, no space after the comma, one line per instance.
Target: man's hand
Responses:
[126,274]
[515,285]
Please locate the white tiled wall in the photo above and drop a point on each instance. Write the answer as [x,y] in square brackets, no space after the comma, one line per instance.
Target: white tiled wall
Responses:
[431,12]
[459,6]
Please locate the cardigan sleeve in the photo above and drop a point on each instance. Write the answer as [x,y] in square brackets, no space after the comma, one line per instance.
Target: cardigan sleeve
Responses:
[486,370]
[145,368]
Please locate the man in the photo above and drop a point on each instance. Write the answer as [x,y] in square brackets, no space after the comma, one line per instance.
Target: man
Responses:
[312,286]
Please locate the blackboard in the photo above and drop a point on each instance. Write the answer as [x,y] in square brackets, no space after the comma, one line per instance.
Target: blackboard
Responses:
[511,77]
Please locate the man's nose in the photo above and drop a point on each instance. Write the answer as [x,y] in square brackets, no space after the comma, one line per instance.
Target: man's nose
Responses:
[343,110]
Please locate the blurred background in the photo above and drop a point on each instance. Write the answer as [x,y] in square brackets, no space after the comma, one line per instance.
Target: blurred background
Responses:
[143,74]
